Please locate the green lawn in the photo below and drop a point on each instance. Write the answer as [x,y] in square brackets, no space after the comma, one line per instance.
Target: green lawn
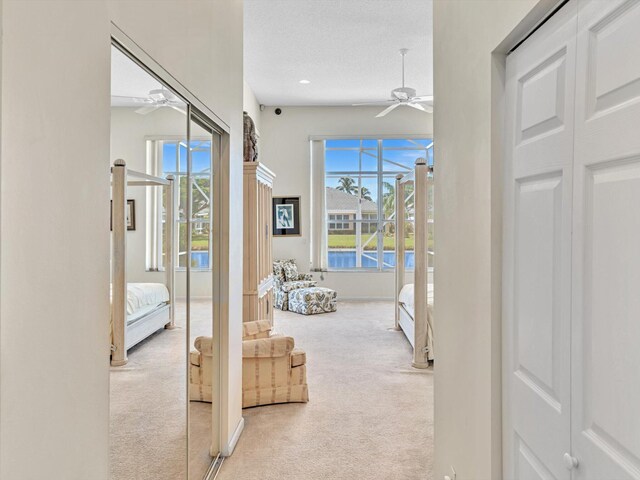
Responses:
[349,241]
[200,242]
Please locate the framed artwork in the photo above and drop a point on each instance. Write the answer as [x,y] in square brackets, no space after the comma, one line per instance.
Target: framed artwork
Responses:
[286,216]
[130,215]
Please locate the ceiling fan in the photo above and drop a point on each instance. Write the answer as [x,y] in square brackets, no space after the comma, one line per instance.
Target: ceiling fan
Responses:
[157,98]
[403,96]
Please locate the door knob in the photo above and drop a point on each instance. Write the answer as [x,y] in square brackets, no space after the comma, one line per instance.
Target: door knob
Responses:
[570,462]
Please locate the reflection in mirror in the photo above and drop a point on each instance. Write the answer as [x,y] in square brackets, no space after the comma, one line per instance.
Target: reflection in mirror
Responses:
[204,356]
[148,394]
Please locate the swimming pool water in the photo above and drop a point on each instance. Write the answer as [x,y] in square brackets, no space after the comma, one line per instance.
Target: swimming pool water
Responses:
[347,259]
[339,259]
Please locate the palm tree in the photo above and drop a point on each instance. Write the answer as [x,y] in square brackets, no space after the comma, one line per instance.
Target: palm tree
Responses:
[388,205]
[347,185]
[388,199]
[365,194]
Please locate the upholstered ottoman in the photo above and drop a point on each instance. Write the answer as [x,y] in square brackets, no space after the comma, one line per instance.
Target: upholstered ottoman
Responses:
[309,301]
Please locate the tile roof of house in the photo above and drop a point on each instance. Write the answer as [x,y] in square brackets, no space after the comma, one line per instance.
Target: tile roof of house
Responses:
[338,200]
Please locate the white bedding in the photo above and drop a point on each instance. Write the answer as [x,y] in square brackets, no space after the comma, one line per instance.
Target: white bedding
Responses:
[407,297]
[142,300]
[145,295]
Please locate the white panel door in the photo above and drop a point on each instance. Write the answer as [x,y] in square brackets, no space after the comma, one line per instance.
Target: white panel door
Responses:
[606,263]
[537,251]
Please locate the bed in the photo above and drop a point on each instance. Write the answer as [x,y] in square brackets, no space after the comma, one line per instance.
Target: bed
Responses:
[414,305]
[148,306]
[138,309]
[406,305]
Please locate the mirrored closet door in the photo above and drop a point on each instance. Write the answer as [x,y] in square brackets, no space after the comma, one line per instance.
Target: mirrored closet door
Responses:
[164,408]
[201,239]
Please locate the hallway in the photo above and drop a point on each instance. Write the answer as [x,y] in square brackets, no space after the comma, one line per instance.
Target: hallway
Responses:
[370,415]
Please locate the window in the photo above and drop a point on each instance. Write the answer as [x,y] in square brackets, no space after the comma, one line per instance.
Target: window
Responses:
[360,177]
[169,157]
[335,224]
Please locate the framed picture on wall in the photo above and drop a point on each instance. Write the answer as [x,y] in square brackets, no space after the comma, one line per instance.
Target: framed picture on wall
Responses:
[130,213]
[286,217]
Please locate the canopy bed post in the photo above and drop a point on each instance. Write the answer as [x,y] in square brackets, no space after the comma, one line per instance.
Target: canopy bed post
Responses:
[169,253]
[118,262]
[421,270]
[413,313]
[400,247]
[151,304]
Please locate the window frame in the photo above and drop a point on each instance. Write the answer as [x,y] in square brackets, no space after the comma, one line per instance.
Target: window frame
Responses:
[155,220]
[381,176]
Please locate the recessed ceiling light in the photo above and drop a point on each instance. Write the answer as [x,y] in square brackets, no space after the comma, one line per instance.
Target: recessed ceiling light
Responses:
[305,82]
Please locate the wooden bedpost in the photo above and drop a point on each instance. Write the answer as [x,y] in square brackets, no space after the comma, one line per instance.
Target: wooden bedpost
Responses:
[169,245]
[118,262]
[421,270]
[400,246]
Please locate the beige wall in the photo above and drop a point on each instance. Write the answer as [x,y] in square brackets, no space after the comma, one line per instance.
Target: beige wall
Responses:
[285,150]
[468,235]
[54,216]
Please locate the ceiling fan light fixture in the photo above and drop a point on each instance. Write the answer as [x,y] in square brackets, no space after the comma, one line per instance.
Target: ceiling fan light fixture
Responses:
[403,93]
[162,94]
[404,96]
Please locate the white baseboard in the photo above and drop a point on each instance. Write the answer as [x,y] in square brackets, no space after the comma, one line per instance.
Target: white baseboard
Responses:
[365,299]
[228,448]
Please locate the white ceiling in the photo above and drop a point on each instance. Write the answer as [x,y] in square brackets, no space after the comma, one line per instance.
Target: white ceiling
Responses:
[348,49]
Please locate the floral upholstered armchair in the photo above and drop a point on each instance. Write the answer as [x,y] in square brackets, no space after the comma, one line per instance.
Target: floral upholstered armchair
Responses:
[287,278]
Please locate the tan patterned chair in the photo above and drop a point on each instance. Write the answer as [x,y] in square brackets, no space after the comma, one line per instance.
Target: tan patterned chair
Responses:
[273,371]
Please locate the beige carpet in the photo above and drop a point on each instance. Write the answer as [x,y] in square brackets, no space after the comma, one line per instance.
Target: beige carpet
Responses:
[370,415]
[148,407]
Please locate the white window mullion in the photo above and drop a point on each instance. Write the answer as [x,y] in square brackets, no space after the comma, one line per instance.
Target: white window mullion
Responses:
[319,235]
[380,209]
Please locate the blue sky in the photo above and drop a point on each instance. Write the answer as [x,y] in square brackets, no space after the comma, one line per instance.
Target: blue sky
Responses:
[200,159]
[349,160]
[335,160]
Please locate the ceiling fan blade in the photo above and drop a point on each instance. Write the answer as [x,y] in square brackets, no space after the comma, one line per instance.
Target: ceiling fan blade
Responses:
[417,106]
[131,99]
[423,98]
[422,108]
[382,102]
[181,110]
[146,110]
[387,110]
